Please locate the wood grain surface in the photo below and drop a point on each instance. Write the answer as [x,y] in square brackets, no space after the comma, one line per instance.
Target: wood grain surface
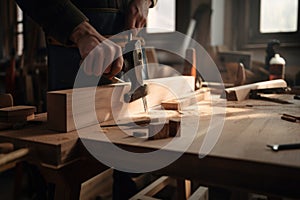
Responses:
[108,102]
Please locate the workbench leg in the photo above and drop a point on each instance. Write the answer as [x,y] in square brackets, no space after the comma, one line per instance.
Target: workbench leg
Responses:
[237,195]
[181,189]
[67,180]
[274,198]
[67,191]
[18,179]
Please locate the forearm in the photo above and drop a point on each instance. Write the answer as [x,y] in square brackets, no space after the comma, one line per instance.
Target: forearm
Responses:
[57,17]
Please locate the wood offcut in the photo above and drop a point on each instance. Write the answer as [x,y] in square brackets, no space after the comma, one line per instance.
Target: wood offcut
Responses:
[240,93]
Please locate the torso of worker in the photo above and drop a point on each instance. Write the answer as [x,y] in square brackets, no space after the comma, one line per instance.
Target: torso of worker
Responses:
[59,18]
[108,18]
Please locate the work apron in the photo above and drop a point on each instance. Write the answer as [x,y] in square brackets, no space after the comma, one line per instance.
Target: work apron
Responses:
[64,62]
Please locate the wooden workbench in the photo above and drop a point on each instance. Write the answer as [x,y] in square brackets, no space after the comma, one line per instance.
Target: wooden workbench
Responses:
[239,160]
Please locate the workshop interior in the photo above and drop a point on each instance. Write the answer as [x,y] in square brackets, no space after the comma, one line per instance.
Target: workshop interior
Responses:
[222,100]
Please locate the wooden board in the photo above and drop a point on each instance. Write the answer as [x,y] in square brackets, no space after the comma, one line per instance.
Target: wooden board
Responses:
[187,100]
[17,113]
[6,100]
[162,130]
[109,102]
[45,145]
[242,92]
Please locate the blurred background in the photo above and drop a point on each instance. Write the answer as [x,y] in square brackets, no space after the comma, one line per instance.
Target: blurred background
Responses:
[232,31]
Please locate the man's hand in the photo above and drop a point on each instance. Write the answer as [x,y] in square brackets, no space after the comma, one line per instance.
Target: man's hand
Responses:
[101,56]
[137,14]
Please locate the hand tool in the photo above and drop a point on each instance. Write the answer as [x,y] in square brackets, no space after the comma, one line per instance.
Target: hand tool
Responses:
[290,118]
[279,147]
[257,94]
[297,97]
[134,62]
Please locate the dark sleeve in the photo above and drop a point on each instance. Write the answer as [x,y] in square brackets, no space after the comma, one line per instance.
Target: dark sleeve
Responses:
[154,2]
[58,18]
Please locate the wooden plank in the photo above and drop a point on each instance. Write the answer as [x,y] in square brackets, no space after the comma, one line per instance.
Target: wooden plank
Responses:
[6,158]
[98,187]
[187,100]
[153,188]
[17,113]
[242,92]
[158,131]
[6,100]
[174,127]
[161,130]
[6,147]
[45,145]
[200,194]
[109,102]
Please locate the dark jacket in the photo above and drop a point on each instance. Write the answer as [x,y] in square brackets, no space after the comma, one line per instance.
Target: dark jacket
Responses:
[58,18]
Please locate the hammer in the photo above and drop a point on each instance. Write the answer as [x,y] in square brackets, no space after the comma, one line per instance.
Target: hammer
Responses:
[134,62]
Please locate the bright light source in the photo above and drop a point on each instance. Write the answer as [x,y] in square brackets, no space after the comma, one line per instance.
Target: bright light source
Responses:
[161,18]
[278,16]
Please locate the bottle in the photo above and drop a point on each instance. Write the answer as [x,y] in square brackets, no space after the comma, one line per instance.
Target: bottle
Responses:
[277,67]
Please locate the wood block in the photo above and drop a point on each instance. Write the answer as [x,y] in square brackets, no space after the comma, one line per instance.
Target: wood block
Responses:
[107,99]
[6,100]
[161,130]
[187,100]
[17,113]
[242,92]
[174,127]
[6,147]
[158,130]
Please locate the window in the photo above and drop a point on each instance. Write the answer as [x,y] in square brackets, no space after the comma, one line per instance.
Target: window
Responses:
[20,32]
[161,18]
[277,16]
[260,21]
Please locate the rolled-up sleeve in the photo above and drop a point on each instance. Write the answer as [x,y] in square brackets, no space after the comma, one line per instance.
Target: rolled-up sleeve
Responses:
[58,18]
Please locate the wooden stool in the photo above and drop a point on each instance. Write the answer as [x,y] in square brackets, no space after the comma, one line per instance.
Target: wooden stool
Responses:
[182,190]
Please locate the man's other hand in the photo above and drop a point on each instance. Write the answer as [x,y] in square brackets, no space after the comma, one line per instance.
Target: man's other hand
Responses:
[137,14]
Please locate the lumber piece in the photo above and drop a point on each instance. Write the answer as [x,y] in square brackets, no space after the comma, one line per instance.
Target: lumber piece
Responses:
[174,127]
[158,131]
[6,147]
[17,113]
[240,93]
[186,100]
[109,102]
[6,100]
[161,130]
[200,194]
[13,156]
[154,188]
